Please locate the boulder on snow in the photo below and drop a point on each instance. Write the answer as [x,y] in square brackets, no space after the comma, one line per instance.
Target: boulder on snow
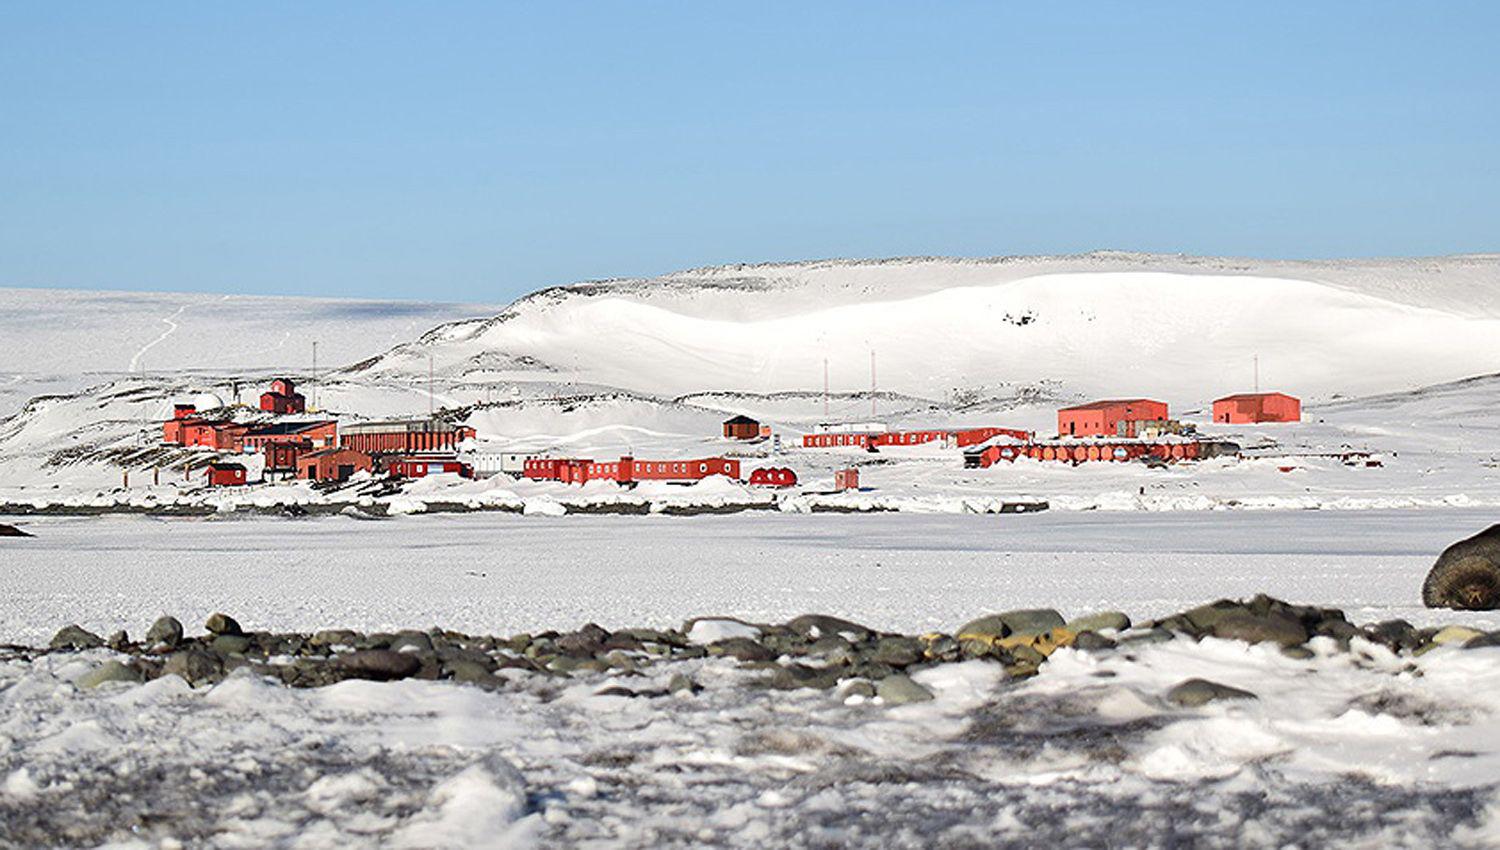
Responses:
[1024,622]
[1195,692]
[1466,575]
[75,637]
[12,531]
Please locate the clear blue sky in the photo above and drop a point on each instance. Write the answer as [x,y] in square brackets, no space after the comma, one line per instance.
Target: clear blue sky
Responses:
[476,151]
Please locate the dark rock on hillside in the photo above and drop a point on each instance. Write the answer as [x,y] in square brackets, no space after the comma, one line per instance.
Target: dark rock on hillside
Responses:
[1274,627]
[12,531]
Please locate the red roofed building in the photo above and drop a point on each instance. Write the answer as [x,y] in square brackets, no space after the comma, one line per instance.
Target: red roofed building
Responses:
[282,398]
[333,464]
[1249,408]
[773,476]
[1109,418]
[225,474]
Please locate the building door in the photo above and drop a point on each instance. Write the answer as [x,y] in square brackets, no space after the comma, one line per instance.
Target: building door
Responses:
[345,470]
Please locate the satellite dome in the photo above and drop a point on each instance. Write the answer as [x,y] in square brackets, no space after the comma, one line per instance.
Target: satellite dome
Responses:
[206,401]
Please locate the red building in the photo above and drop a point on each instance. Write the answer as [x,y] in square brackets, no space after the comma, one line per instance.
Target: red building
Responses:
[316,435]
[220,436]
[628,469]
[282,457]
[1110,418]
[420,466]
[773,476]
[846,479]
[1249,408]
[225,474]
[407,436]
[741,428]
[282,398]
[865,439]
[333,464]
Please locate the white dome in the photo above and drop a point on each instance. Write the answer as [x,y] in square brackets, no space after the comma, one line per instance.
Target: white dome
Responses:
[206,401]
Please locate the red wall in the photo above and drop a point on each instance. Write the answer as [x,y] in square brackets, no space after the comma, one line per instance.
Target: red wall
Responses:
[1102,420]
[1262,407]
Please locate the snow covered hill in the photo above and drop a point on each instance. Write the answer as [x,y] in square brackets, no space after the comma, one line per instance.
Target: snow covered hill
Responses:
[1184,329]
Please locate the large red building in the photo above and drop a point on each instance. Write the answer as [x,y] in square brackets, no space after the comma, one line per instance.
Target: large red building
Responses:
[1109,418]
[1249,408]
[282,398]
[406,436]
[316,435]
[628,469]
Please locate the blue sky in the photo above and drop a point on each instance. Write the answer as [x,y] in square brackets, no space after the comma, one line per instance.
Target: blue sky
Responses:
[477,151]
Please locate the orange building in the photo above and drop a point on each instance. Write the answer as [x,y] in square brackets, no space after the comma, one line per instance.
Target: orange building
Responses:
[333,464]
[1249,408]
[1109,418]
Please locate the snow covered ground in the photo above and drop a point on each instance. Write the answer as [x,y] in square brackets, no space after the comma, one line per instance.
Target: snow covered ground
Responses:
[1341,749]
[506,573]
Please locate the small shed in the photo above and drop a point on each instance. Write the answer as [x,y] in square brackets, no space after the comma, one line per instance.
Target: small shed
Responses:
[1249,408]
[333,464]
[741,428]
[225,475]
[846,479]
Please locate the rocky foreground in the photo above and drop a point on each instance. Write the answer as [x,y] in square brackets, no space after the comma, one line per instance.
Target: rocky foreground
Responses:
[1234,724]
[811,651]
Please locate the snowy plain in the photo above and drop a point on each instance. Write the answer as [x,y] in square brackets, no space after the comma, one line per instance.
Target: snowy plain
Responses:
[504,573]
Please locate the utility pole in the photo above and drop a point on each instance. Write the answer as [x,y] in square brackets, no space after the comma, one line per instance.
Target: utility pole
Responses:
[825,389]
[1257,372]
[315,376]
[872,383]
[431,402]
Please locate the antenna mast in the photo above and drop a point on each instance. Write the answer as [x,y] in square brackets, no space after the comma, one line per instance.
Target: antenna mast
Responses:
[872,383]
[431,402]
[1257,373]
[825,389]
[315,375]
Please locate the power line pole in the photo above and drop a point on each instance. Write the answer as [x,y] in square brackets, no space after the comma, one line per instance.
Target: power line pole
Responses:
[431,402]
[1257,372]
[315,375]
[825,389]
[872,383]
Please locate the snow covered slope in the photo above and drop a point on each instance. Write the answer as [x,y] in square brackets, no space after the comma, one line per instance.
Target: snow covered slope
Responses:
[1109,324]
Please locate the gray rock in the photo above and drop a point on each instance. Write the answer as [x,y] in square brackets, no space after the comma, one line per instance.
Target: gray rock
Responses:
[230,644]
[680,684]
[118,641]
[584,642]
[1146,637]
[166,631]
[109,671]
[900,690]
[1272,627]
[1024,622]
[858,688]
[1099,622]
[193,665]
[831,649]
[1195,692]
[1092,641]
[11,531]
[814,626]
[470,672]
[334,637]
[419,641]
[222,624]
[794,676]
[381,665]
[1205,617]
[75,637]
[1301,653]
[897,651]
[741,648]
